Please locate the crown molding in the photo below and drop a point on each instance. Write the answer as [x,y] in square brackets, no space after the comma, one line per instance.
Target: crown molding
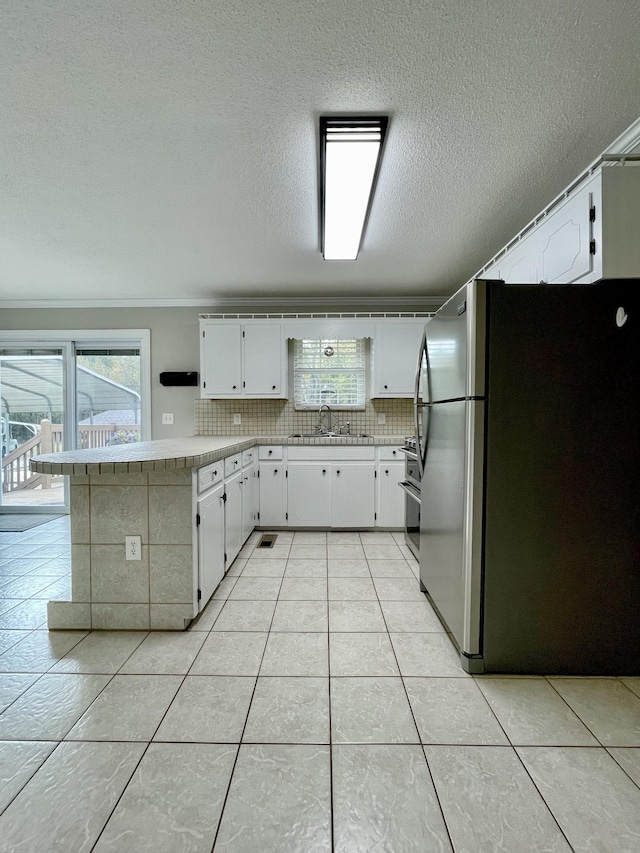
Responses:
[389,303]
[627,141]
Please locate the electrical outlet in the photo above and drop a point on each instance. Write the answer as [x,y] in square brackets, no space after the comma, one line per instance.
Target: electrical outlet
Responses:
[167,417]
[382,418]
[237,419]
[133,547]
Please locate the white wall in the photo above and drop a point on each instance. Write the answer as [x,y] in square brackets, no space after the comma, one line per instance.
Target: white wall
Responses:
[174,346]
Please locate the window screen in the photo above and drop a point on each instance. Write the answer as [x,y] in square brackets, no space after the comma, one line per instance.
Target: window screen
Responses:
[330,372]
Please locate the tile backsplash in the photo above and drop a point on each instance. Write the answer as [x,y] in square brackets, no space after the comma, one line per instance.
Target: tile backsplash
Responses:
[278,417]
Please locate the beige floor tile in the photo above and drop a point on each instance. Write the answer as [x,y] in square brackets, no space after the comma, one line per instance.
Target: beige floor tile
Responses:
[353,654]
[383,799]
[490,803]
[454,711]
[279,799]
[593,800]
[289,710]
[230,653]
[164,653]
[606,706]
[370,710]
[48,709]
[66,804]
[532,713]
[426,654]
[129,708]
[208,709]
[173,801]
[290,653]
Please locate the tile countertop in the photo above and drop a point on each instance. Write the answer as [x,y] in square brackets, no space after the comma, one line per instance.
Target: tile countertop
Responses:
[171,453]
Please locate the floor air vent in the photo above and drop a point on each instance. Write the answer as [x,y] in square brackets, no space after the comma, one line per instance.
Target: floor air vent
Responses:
[267,540]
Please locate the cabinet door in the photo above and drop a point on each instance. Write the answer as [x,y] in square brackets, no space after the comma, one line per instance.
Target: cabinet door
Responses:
[249,483]
[390,511]
[210,543]
[395,357]
[565,238]
[352,494]
[233,517]
[264,360]
[273,494]
[309,494]
[221,359]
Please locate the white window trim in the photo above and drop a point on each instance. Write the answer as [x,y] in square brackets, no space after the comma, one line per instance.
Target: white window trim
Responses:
[298,407]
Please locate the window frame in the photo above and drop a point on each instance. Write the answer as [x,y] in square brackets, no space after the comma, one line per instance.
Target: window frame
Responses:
[359,407]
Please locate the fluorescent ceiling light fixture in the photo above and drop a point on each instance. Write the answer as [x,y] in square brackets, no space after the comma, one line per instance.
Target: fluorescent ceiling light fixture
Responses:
[350,154]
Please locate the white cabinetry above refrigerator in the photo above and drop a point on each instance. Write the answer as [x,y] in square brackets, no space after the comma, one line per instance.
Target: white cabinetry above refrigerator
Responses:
[588,234]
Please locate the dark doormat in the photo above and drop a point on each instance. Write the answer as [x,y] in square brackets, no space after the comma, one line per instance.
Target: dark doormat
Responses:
[20,523]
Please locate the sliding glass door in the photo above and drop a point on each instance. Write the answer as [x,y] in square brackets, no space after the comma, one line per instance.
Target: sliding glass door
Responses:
[35,402]
[108,389]
[62,390]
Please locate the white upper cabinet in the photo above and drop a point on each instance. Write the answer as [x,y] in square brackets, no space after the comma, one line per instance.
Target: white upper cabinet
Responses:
[395,355]
[220,359]
[590,234]
[265,356]
[242,360]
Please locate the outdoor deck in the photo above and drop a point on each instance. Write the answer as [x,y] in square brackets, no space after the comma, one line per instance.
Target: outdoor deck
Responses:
[21,487]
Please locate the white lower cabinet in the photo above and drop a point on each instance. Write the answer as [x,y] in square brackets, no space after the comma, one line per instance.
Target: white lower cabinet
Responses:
[249,499]
[211,535]
[226,513]
[233,517]
[353,494]
[273,494]
[331,486]
[390,512]
[309,494]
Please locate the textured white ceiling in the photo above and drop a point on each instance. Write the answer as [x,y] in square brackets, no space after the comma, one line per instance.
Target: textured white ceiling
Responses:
[165,149]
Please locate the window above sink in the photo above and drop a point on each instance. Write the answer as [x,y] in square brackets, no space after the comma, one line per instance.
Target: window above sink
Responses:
[329,372]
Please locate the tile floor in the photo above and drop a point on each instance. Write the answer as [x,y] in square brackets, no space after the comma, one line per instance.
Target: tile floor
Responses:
[316,705]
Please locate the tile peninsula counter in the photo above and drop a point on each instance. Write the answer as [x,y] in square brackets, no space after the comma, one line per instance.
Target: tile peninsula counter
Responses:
[144,489]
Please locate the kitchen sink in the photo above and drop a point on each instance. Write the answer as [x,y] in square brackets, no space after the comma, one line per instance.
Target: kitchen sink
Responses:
[329,435]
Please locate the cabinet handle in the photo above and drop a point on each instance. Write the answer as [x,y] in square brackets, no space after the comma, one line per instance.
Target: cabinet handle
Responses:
[275,470]
[270,452]
[386,386]
[324,470]
[234,387]
[386,472]
[273,387]
[338,471]
[394,452]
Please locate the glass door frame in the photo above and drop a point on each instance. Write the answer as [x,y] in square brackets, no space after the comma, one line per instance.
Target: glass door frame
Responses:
[66,340]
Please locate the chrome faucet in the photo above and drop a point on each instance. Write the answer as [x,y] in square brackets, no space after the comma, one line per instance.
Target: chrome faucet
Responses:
[322,429]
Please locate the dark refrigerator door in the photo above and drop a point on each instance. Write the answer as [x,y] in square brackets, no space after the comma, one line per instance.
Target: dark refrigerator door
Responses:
[562,550]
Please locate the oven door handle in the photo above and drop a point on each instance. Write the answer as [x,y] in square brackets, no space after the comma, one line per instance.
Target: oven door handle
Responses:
[411,491]
[410,453]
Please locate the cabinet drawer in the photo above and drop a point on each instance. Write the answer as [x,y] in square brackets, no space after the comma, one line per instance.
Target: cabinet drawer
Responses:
[331,454]
[390,454]
[269,452]
[210,474]
[248,456]
[232,464]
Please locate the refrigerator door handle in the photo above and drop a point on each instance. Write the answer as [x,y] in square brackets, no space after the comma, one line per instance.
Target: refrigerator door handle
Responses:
[419,405]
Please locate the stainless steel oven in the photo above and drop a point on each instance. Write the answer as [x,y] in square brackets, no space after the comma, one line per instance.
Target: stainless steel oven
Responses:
[411,488]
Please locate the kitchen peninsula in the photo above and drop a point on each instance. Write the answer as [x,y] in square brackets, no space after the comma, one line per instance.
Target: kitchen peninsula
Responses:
[149,490]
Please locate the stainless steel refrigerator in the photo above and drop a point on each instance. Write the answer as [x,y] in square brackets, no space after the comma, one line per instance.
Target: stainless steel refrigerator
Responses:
[527,419]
